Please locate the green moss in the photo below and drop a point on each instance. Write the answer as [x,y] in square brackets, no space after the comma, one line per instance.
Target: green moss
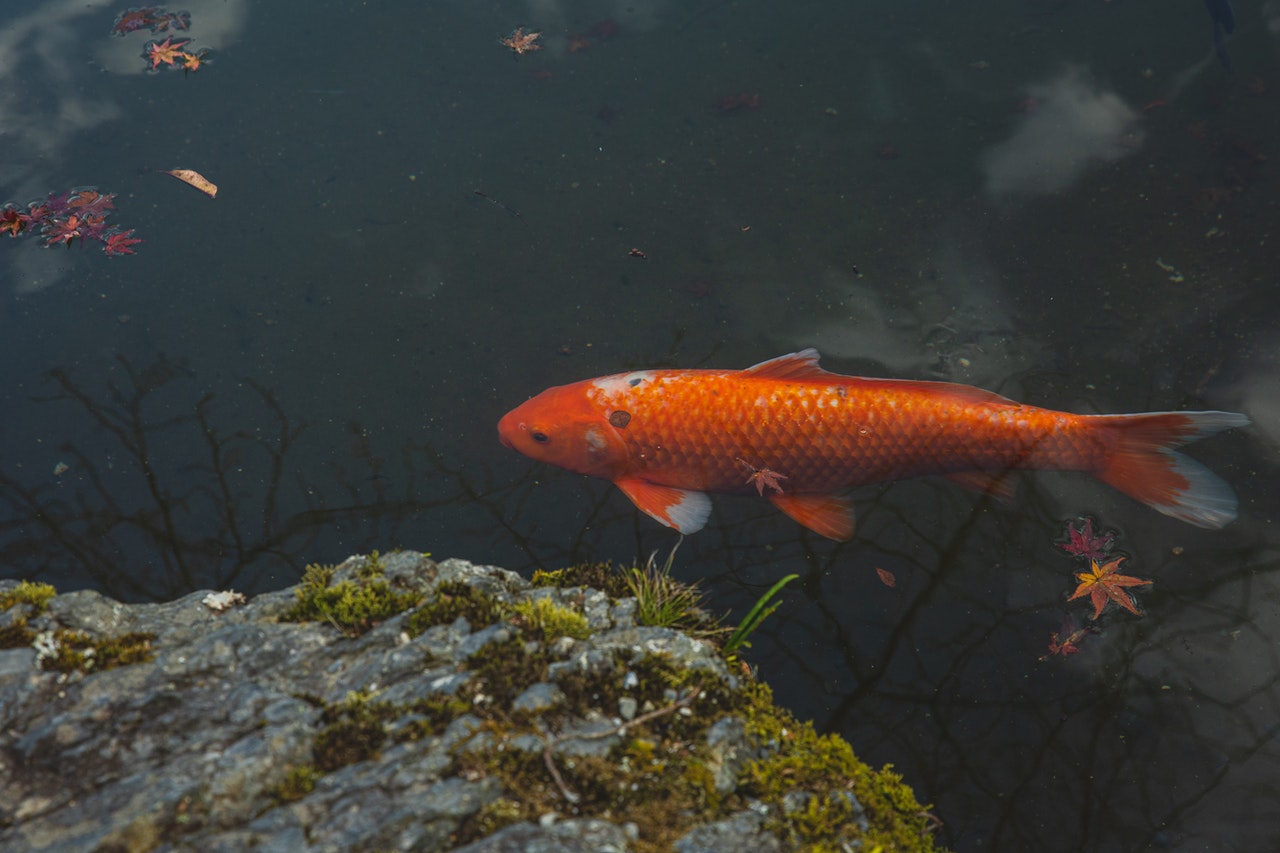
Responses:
[16,635]
[431,716]
[371,568]
[497,815]
[502,671]
[79,651]
[549,621]
[454,600]
[352,606]
[824,765]
[296,784]
[602,576]
[354,731]
[36,595]
[658,781]
[658,775]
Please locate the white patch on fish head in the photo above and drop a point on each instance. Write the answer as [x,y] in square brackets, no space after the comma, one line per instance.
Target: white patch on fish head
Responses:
[613,391]
[596,441]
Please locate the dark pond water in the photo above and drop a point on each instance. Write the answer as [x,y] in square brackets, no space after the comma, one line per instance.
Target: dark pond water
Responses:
[1070,202]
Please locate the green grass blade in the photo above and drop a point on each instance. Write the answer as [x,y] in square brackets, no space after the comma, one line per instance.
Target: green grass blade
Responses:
[758,613]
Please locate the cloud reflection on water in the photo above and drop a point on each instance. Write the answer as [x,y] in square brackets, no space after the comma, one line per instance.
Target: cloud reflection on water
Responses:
[1070,126]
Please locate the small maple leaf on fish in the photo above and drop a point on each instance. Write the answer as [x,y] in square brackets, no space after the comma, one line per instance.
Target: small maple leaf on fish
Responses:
[1103,583]
[764,478]
[522,42]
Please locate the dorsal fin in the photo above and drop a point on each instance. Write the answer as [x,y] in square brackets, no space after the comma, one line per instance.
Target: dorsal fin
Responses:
[804,365]
[794,365]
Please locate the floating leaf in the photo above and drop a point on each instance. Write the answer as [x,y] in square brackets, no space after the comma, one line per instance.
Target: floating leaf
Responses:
[1105,583]
[886,577]
[195,179]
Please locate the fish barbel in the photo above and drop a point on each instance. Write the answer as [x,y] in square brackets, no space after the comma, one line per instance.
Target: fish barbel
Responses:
[803,435]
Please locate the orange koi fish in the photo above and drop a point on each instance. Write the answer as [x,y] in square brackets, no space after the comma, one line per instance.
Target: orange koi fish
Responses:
[803,435]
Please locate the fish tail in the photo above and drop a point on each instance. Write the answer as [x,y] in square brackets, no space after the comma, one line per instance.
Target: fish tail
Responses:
[1145,466]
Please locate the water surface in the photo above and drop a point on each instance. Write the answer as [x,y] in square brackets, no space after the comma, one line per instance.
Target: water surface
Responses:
[1069,202]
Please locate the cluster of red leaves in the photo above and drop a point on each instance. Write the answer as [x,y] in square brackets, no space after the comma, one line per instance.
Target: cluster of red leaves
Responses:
[153,18]
[169,53]
[1102,583]
[64,217]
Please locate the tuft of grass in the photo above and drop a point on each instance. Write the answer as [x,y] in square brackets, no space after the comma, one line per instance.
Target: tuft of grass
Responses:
[664,602]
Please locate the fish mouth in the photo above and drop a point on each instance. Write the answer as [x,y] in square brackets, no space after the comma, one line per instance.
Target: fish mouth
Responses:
[505,426]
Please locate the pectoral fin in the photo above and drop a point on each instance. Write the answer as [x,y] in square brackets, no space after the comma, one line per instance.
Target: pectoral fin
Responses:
[827,515]
[685,510]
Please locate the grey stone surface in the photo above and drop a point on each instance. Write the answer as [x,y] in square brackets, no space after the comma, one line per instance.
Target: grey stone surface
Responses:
[187,752]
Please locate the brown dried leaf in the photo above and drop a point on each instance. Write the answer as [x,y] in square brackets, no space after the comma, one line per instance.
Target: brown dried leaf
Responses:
[195,179]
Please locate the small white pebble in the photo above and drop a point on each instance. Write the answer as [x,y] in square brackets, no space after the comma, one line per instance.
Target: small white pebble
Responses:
[219,602]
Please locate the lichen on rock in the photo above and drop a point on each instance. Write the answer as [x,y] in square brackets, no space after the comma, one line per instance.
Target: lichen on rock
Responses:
[398,703]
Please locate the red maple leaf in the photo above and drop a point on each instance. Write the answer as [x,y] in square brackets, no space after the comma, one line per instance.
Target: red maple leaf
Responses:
[1104,583]
[1083,542]
[93,227]
[12,220]
[118,243]
[131,20]
[62,230]
[167,52]
[176,20]
[764,478]
[90,202]
[194,61]
[1067,641]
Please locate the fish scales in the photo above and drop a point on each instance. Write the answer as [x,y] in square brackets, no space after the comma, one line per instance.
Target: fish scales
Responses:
[800,436]
[824,435]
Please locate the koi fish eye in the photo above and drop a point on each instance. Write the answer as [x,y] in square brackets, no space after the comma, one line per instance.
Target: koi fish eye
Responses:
[540,437]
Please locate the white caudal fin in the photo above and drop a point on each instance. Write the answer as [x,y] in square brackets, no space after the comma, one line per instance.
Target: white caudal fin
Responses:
[1145,466]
